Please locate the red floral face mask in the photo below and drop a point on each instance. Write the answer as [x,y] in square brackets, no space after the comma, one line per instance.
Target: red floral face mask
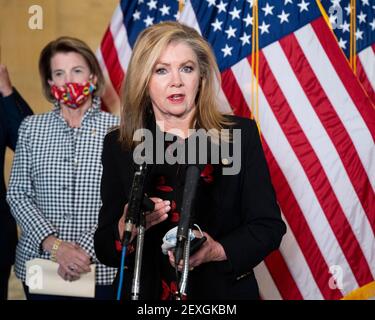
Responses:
[73,94]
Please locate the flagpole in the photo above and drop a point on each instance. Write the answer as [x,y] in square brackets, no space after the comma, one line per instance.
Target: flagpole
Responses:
[181,5]
[255,67]
[353,13]
[253,62]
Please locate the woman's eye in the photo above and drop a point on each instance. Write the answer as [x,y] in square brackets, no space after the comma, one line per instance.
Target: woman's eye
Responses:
[161,71]
[78,71]
[187,69]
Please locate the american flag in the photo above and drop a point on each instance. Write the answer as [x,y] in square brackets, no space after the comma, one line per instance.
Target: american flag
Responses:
[339,12]
[317,127]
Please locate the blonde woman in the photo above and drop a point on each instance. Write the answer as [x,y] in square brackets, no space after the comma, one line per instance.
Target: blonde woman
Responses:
[171,88]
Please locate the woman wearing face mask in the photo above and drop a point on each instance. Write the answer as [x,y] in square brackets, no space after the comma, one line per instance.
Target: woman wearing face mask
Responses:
[55,180]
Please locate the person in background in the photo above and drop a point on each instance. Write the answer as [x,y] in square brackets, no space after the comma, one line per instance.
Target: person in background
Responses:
[170,88]
[55,179]
[13,109]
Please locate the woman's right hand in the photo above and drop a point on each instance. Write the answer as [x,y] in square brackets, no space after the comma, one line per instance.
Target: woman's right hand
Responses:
[73,260]
[159,214]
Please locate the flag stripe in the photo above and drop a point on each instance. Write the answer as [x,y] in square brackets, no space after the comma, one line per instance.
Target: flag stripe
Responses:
[298,225]
[120,37]
[326,41]
[109,53]
[337,171]
[363,79]
[268,289]
[280,274]
[362,130]
[358,130]
[367,58]
[282,277]
[298,266]
[304,194]
[234,94]
[308,158]
[366,71]
[110,97]
[297,180]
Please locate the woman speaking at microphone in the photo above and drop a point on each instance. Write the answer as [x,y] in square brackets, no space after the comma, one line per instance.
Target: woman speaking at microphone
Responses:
[170,88]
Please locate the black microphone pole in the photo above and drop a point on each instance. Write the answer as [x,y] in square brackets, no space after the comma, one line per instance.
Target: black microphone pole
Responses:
[135,202]
[138,203]
[190,188]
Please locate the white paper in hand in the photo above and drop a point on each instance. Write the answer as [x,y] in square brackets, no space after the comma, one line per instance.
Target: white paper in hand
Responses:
[42,278]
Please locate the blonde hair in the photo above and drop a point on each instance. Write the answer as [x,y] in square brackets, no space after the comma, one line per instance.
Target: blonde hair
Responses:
[68,44]
[148,48]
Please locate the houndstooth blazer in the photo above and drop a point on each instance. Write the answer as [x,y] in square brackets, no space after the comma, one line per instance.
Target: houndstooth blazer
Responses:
[54,186]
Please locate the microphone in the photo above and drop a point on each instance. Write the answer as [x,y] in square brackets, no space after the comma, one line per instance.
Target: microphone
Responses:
[137,202]
[190,188]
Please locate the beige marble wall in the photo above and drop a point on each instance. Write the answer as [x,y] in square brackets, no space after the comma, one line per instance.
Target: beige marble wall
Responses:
[21,46]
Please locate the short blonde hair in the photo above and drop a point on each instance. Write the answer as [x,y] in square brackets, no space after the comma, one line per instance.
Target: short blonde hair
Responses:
[68,44]
[148,48]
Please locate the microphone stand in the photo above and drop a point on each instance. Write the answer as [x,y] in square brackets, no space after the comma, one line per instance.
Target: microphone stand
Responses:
[185,270]
[147,205]
[182,250]
[138,204]
[138,258]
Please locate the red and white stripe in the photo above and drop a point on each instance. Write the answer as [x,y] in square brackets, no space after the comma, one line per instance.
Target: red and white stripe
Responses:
[114,55]
[366,70]
[318,130]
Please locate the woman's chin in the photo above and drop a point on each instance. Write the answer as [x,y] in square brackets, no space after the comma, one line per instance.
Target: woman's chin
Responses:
[179,111]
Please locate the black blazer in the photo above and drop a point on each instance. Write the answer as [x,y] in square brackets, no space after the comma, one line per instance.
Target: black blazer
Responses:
[12,111]
[240,211]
